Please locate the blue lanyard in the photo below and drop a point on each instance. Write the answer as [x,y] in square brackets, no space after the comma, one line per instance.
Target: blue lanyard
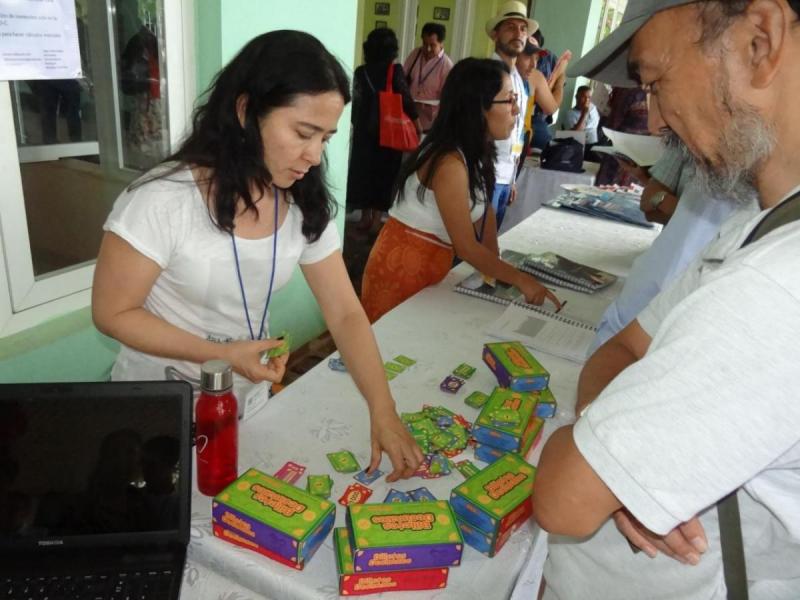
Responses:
[271,276]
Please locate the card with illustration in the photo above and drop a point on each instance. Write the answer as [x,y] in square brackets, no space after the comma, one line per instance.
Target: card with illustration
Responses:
[319,485]
[451,384]
[367,478]
[476,399]
[404,360]
[393,367]
[290,472]
[355,494]
[464,371]
[344,461]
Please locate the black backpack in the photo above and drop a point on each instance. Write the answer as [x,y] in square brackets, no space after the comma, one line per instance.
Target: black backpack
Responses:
[563,154]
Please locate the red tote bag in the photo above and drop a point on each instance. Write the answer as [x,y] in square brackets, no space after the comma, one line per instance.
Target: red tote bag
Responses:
[397,131]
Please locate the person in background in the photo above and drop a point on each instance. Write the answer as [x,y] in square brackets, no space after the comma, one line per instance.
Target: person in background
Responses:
[692,219]
[509,29]
[584,117]
[544,94]
[695,401]
[194,250]
[441,207]
[627,113]
[426,69]
[372,168]
[545,64]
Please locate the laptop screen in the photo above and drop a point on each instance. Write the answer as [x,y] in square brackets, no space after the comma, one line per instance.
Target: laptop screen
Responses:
[85,462]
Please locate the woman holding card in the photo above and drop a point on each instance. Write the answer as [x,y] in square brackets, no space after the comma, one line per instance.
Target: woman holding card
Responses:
[195,249]
[440,209]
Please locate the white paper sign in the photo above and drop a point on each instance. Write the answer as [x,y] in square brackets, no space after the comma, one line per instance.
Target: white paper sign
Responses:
[39,40]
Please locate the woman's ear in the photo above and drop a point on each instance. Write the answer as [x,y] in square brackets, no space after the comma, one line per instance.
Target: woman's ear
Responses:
[241,108]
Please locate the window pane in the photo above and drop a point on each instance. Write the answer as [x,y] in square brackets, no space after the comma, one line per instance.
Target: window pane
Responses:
[82,141]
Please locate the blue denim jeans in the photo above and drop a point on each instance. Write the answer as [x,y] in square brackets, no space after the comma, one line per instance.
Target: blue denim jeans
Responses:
[502,193]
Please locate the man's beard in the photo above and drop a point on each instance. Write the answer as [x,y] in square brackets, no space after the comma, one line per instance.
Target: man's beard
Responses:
[745,142]
[510,49]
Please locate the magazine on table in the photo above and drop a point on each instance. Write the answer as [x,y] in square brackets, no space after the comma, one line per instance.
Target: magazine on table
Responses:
[607,204]
[558,269]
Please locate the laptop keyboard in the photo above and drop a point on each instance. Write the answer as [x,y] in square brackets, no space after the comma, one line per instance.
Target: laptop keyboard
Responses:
[132,585]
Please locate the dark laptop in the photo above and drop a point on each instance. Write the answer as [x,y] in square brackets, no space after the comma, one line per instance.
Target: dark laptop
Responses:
[95,489]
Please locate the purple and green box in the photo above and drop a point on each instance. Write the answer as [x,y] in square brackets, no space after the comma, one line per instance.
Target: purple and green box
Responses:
[275,515]
[496,499]
[515,367]
[504,437]
[400,537]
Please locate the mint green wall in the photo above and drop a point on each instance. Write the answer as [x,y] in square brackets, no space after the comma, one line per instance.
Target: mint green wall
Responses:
[568,25]
[367,18]
[482,45]
[334,23]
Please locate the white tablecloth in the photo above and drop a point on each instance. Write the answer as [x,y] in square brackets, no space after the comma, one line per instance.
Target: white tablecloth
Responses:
[322,412]
[535,186]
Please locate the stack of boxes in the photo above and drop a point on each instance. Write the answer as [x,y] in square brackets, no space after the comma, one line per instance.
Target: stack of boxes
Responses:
[272,517]
[408,546]
[491,504]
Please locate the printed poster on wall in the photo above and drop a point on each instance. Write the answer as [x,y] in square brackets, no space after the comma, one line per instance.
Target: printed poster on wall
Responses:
[39,40]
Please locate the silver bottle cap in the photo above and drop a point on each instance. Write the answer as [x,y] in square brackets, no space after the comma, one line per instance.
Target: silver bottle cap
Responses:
[216,376]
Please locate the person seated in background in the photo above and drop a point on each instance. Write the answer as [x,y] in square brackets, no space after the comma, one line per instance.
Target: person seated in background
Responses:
[441,208]
[695,401]
[426,69]
[696,219]
[584,117]
[542,92]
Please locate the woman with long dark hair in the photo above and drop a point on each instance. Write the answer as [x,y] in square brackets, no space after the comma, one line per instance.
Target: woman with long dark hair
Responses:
[194,250]
[440,209]
[373,168]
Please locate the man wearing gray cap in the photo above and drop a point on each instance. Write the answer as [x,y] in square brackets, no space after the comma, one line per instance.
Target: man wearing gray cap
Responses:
[698,397]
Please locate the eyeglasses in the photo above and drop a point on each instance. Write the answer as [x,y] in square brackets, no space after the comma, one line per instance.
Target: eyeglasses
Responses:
[513,98]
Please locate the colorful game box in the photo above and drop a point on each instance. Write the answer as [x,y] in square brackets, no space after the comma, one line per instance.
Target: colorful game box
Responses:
[357,584]
[482,542]
[546,406]
[515,367]
[278,517]
[495,500]
[488,454]
[238,539]
[491,431]
[401,537]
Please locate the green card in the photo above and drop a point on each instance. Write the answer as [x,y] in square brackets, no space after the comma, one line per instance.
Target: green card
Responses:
[464,371]
[319,485]
[344,461]
[404,360]
[476,399]
[285,346]
[394,367]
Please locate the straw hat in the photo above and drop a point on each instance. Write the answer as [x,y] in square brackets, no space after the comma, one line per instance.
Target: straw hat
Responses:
[513,9]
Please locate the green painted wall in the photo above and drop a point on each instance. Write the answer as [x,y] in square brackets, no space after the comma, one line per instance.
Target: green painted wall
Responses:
[568,25]
[368,20]
[482,45]
[425,10]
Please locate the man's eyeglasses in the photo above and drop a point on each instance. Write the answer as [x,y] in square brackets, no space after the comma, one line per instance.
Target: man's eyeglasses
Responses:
[513,98]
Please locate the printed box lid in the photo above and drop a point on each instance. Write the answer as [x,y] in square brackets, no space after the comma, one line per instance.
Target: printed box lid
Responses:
[516,359]
[505,399]
[344,553]
[403,524]
[501,487]
[276,503]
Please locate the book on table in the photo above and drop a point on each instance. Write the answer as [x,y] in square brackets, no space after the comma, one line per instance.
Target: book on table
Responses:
[554,268]
[615,205]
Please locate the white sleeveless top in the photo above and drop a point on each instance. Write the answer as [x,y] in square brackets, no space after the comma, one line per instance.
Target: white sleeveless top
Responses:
[425,216]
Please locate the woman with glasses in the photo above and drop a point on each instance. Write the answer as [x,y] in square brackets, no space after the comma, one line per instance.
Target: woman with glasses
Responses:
[440,209]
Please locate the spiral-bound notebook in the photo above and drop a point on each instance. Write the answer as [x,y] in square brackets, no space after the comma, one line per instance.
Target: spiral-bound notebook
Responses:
[555,334]
[562,271]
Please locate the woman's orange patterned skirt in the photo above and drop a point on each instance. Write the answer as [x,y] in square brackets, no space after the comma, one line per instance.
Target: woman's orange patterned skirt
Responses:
[402,262]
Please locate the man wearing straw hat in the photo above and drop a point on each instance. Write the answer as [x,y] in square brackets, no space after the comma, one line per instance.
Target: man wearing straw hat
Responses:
[697,399]
[509,29]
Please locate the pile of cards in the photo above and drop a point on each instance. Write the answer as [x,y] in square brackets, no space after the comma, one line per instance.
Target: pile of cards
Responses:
[422,494]
[453,382]
[397,365]
[437,429]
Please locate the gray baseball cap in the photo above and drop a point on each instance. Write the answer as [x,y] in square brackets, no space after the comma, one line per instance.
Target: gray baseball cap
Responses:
[608,61]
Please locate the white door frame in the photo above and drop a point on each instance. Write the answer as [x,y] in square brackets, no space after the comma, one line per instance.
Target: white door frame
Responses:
[460,33]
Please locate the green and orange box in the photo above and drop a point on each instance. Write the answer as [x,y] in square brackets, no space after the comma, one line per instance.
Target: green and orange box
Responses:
[515,367]
[358,584]
[511,437]
[273,517]
[404,536]
[546,405]
[493,502]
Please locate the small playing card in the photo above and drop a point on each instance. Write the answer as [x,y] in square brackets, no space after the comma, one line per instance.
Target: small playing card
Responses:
[290,472]
[422,494]
[439,465]
[389,374]
[467,468]
[395,496]
[344,461]
[444,421]
[464,371]
[283,348]
[337,364]
[476,399]
[367,478]
[393,367]
[451,384]
[404,360]
[355,494]
[319,485]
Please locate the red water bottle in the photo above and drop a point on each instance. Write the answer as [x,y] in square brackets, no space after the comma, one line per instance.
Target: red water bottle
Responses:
[216,434]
